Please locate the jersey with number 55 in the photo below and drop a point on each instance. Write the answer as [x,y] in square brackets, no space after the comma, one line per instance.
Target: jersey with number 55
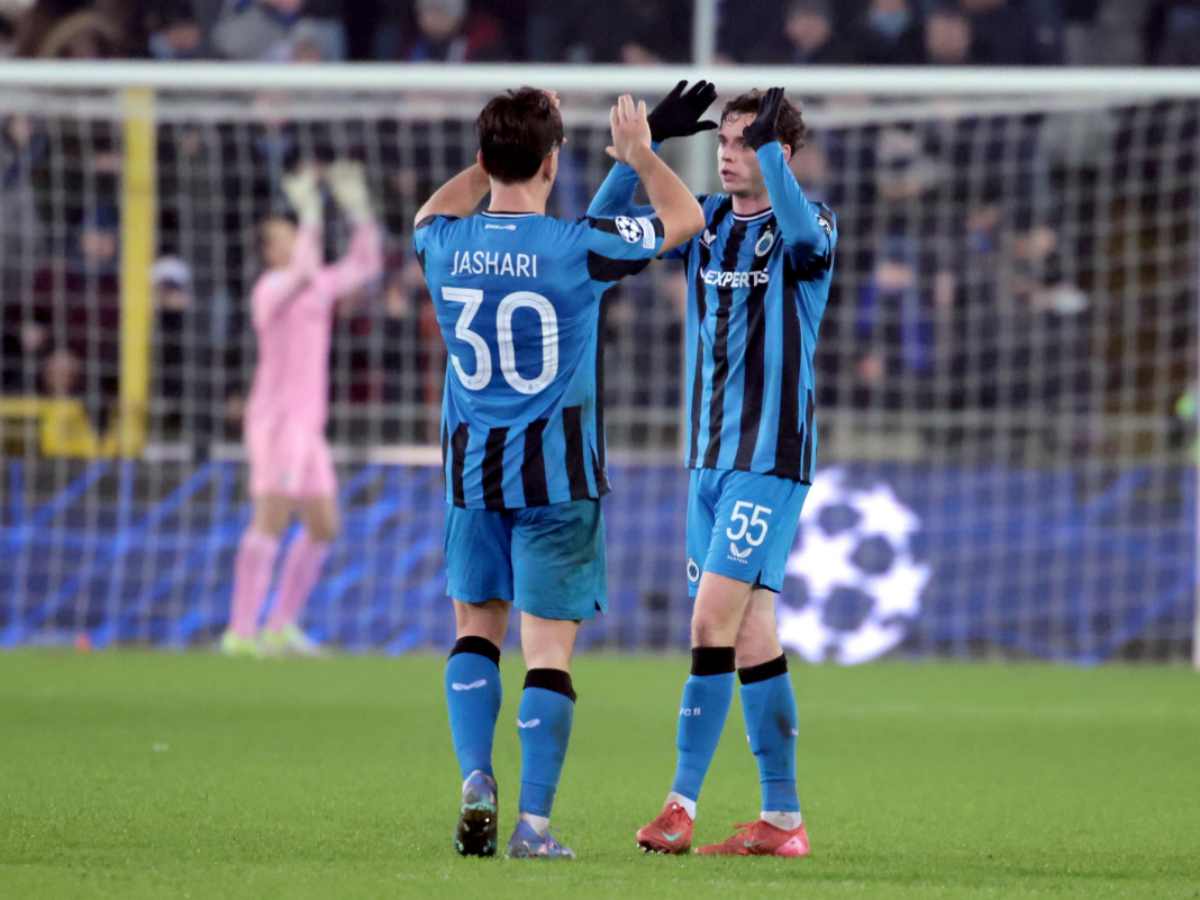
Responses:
[518,303]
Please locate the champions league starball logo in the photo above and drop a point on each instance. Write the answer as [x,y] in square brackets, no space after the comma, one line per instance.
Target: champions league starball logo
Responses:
[855,584]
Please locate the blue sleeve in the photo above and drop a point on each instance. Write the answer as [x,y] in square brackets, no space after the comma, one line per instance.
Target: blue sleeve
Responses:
[808,228]
[427,233]
[622,246]
[615,196]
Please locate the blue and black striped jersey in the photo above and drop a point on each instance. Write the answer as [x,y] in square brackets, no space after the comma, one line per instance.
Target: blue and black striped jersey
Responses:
[757,289]
[518,302]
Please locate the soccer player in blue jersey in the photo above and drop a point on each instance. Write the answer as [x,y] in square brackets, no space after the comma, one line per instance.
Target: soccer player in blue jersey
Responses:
[518,295]
[759,279]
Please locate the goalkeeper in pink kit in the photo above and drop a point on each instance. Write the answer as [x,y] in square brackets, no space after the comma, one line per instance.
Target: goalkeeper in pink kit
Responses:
[291,472]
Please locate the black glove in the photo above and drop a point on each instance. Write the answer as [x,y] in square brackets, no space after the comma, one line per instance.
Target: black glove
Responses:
[762,130]
[678,114]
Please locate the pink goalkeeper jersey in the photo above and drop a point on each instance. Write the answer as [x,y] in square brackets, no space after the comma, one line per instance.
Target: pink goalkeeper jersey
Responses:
[293,317]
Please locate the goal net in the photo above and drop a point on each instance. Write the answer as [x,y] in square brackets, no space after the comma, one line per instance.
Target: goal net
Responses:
[1006,370]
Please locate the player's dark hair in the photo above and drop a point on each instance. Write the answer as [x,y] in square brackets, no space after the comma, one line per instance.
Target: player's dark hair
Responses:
[789,126]
[517,131]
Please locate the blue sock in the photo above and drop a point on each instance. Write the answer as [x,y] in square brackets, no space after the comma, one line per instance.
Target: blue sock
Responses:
[473,698]
[770,709]
[706,698]
[544,720]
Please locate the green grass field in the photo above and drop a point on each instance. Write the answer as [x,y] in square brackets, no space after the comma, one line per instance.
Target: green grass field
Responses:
[145,775]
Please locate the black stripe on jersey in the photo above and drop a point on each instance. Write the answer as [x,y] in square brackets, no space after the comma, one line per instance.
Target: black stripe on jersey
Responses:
[720,350]
[789,443]
[705,256]
[445,447]
[600,475]
[573,432]
[429,220]
[809,434]
[533,465]
[609,226]
[458,459]
[493,468]
[605,268]
[698,374]
[754,365]
[601,325]
[806,270]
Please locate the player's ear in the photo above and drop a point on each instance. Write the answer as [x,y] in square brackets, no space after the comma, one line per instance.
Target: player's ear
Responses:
[787,153]
[479,160]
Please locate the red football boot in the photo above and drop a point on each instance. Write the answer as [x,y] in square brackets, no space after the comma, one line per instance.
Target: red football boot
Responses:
[759,838]
[670,832]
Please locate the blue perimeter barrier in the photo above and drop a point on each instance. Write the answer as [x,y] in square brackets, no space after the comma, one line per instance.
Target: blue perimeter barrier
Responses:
[1020,562]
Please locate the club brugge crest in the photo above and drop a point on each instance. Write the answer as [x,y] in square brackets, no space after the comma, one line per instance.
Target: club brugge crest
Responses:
[764,243]
[855,575]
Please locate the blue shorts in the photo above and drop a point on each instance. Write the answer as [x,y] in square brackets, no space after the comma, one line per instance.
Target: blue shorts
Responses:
[741,525]
[547,561]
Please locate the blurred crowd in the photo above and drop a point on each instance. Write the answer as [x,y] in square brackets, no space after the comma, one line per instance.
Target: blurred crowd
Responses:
[984,261]
[990,263]
[794,32]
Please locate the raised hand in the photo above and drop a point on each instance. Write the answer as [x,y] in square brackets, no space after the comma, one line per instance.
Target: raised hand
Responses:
[763,129]
[302,191]
[678,114]
[347,182]
[630,130]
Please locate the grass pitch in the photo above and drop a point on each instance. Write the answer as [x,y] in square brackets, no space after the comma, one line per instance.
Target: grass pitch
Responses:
[148,775]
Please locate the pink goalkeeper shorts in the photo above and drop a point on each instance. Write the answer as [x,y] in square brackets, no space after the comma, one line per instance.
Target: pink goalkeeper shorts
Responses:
[287,464]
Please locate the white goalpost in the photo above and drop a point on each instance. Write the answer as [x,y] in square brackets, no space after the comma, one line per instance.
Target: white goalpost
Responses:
[1008,460]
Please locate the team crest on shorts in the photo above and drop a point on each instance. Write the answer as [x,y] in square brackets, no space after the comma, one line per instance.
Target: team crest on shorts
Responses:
[693,571]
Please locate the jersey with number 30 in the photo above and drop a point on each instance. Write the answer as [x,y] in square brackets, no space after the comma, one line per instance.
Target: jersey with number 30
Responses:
[518,303]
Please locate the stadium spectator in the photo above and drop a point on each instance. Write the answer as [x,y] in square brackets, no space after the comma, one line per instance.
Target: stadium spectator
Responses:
[1172,33]
[84,35]
[888,33]
[61,374]
[175,32]
[8,32]
[806,38]
[810,164]
[182,343]
[948,38]
[75,304]
[1015,32]
[406,356]
[449,31]
[896,318]
[35,20]
[750,39]
[23,147]
[276,31]
[633,32]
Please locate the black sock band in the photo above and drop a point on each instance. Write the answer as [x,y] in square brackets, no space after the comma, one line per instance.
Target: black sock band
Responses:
[478,645]
[551,680]
[770,669]
[712,660]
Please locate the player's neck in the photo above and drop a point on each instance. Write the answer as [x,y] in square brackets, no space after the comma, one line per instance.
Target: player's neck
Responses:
[517,198]
[751,204]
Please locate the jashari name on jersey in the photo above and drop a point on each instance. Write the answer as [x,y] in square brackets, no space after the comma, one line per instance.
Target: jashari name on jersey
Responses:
[494,262]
